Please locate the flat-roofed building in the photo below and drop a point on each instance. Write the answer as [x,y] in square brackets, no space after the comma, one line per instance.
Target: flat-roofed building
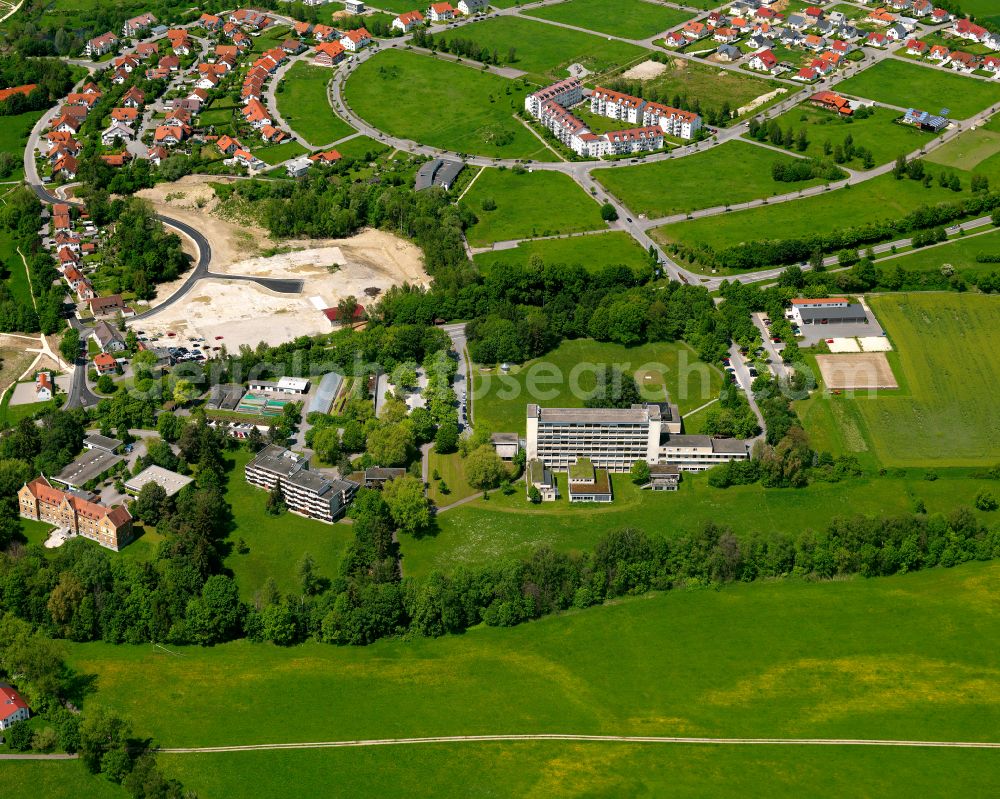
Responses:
[284,385]
[305,493]
[507,445]
[171,482]
[539,477]
[698,453]
[588,484]
[90,465]
[99,442]
[663,477]
[377,476]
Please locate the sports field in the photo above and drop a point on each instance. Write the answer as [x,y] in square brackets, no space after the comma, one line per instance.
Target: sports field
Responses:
[944,413]
[592,252]
[883,197]
[788,659]
[909,85]
[878,133]
[487,125]
[565,377]
[277,543]
[303,104]
[731,173]
[528,205]
[630,19]
[544,51]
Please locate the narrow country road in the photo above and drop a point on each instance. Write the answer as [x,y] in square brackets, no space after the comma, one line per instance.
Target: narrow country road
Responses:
[635,739]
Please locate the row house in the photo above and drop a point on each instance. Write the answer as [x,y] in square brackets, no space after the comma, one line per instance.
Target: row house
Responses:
[256,114]
[963,62]
[209,22]
[441,12]
[616,105]
[970,31]
[111,527]
[100,45]
[329,53]
[356,40]
[634,140]
[566,93]
[133,27]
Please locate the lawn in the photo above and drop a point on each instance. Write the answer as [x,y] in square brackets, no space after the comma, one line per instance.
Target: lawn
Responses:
[452,471]
[960,253]
[878,133]
[787,658]
[710,86]
[731,173]
[15,275]
[984,10]
[592,252]
[55,779]
[487,125]
[486,531]
[974,151]
[303,104]
[944,413]
[528,205]
[14,136]
[217,115]
[277,543]
[275,154]
[544,51]
[360,145]
[631,19]
[909,85]
[883,197]
[565,377]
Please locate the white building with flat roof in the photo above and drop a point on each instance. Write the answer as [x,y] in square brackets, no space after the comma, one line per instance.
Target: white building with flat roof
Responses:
[286,385]
[305,493]
[171,482]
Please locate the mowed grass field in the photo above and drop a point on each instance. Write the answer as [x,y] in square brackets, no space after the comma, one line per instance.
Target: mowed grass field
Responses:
[629,19]
[565,377]
[945,411]
[544,51]
[878,133]
[909,85]
[303,104]
[983,10]
[14,134]
[275,154]
[592,252]
[960,253]
[528,205]
[277,543]
[883,197]
[733,173]
[487,125]
[785,659]
[487,531]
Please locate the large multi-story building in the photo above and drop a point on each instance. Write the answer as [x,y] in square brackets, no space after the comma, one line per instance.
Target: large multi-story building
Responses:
[672,121]
[109,527]
[615,438]
[305,493]
[566,93]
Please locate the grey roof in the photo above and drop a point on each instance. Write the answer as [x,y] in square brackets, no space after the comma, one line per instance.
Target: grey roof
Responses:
[311,481]
[90,465]
[729,51]
[504,438]
[97,441]
[690,441]
[278,460]
[663,470]
[730,446]
[225,396]
[851,312]
[437,172]
[637,414]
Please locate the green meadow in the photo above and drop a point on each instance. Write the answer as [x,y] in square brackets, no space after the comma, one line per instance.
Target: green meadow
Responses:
[487,125]
[303,104]
[629,19]
[783,659]
[528,205]
[731,173]
[593,252]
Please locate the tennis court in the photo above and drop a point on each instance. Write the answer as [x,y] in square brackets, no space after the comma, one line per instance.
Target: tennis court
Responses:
[261,406]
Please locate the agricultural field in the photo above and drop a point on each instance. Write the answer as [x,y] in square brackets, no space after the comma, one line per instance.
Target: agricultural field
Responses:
[544,51]
[878,133]
[592,252]
[303,104]
[984,10]
[907,85]
[710,86]
[528,205]
[500,399]
[944,413]
[786,658]
[486,531]
[731,173]
[277,543]
[883,197]
[487,125]
[631,19]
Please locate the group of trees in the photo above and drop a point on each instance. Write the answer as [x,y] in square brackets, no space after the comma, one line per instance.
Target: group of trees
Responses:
[467,48]
[789,138]
[53,78]
[140,253]
[804,169]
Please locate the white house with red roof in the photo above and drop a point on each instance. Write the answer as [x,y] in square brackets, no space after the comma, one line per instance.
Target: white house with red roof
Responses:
[99,45]
[44,387]
[764,61]
[441,12]
[408,21]
[13,708]
[133,27]
[356,40]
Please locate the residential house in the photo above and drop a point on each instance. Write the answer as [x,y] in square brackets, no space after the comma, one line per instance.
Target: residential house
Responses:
[44,387]
[146,50]
[105,364]
[133,27]
[725,35]
[116,159]
[764,61]
[441,12]
[356,40]
[354,7]
[273,135]
[939,16]
[798,22]
[133,98]
[963,62]
[256,114]
[880,16]
[408,21]
[940,53]
[109,527]
[896,33]
[916,47]
[728,53]
[292,46]
[298,167]
[65,167]
[116,131]
[247,159]
[13,708]
[125,116]
[814,42]
[693,30]
[324,33]
[171,134]
[326,157]
[806,75]
[108,338]
[470,7]
[209,22]
[830,101]
[100,45]
[111,305]
[675,39]
[228,145]
[875,39]
[157,154]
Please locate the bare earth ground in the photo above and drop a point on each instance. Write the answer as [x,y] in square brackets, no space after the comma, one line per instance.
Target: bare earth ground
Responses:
[863,370]
[647,70]
[759,101]
[246,313]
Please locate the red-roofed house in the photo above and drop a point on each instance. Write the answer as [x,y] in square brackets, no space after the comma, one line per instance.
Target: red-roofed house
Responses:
[329,53]
[109,527]
[441,12]
[408,21]
[13,708]
[764,61]
[356,40]
[43,390]
[327,157]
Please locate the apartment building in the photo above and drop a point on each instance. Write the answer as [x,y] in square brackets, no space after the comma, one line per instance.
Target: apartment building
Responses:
[67,510]
[615,438]
[566,93]
[635,110]
[306,493]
